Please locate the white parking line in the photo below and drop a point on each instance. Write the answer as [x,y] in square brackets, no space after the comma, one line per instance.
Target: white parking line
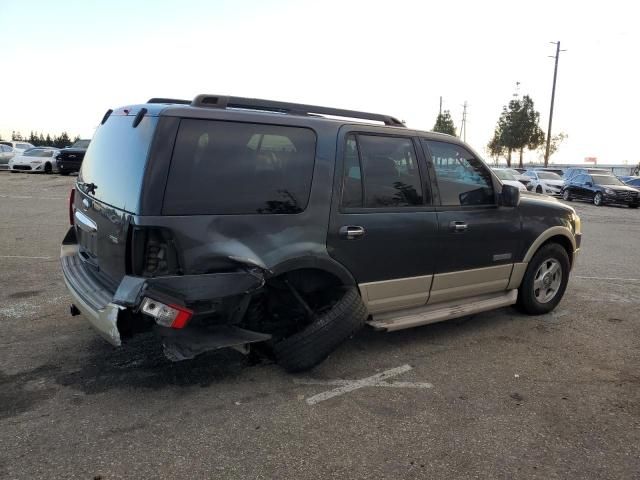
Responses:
[21,197]
[608,278]
[24,256]
[346,386]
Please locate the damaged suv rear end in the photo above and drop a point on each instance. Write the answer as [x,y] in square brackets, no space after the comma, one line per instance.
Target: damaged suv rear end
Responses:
[183,218]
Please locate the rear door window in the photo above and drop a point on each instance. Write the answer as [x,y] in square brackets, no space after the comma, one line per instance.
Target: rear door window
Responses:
[463,179]
[381,172]
[239,168]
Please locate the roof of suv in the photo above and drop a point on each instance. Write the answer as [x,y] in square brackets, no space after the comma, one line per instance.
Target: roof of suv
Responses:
[202,106]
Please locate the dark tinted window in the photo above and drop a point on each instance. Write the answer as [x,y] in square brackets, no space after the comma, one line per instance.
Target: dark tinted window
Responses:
[352,181]
[606,180]
[81,144]
[579,179]
[116,159]
[391,176]
[635,182]
[237,168]
[462,178]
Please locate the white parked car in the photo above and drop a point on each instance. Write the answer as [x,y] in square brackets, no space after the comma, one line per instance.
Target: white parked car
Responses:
[18,146]
[6,154]
[508,178]
[37,159]
[545,182]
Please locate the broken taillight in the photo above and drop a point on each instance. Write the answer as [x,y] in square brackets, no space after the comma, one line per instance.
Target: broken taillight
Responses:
[72,197]
[174,316]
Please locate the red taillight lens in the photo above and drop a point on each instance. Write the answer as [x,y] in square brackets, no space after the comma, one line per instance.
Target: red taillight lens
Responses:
[174,316]
[72,210]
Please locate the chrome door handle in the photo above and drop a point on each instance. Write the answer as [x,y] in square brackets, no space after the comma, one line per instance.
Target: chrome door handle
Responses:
[351,232]
[458,226]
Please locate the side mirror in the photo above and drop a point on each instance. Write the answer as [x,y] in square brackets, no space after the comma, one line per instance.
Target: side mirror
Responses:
[510,196]
[589,184]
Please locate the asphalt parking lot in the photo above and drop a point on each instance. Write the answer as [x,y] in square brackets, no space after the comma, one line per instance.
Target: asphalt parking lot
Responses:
[496,395]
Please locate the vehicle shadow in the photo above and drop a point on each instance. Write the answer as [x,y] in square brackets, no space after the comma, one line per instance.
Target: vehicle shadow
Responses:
[142,364]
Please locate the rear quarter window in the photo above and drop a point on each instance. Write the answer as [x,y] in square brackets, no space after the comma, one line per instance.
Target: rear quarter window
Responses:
[222,167]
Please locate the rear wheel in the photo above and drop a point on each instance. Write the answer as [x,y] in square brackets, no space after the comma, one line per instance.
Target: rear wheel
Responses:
[545,280]
[328,329]
[538,189]
[597,199]
[48,168]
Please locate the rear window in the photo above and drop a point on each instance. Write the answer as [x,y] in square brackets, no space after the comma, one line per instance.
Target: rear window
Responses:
[115,161]
[239,168]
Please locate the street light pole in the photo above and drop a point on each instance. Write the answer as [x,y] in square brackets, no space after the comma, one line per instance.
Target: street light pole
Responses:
[553,96]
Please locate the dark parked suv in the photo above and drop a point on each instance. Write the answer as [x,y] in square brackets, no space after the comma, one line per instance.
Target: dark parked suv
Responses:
[70,159]
[225,222]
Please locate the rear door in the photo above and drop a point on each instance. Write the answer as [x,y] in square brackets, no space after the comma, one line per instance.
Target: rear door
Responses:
[108,191]
[383,225]
[478,238]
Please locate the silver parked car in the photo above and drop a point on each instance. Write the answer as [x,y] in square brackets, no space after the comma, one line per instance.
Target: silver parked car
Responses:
[38,159]
[6,153]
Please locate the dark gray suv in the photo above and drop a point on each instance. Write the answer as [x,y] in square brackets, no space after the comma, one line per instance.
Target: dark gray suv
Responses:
[229,222]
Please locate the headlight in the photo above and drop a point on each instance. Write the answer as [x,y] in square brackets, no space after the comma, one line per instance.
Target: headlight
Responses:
[608,191]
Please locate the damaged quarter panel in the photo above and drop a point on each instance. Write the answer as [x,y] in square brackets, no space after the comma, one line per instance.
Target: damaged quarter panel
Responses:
[269,240]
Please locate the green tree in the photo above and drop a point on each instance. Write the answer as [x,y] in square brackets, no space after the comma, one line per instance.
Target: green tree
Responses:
[518,127]
[48,140]
[16,136]
[62,141]
[41,140]
[444,123]
[495,148]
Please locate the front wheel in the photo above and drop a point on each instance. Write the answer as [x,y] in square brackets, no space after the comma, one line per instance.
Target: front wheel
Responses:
[545,280]
[566,195]
[597,199]
[633,205]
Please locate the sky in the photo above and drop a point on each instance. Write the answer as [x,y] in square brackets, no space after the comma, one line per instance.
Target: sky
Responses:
[66,62]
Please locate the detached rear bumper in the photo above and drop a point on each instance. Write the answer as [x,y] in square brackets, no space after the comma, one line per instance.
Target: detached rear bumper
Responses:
[207,294]
[92,298]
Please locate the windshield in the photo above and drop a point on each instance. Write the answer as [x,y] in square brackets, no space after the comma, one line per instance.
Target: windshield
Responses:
[606,180]
[37,152]
[549,176]
[504,175]
[81,144]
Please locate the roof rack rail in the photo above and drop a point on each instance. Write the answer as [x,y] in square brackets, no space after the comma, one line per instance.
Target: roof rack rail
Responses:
[169,100]
[222,101]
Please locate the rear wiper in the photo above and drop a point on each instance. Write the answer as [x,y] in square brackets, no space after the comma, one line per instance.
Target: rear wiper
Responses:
[88,187]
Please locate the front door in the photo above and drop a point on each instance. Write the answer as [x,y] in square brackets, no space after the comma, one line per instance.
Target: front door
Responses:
[383,225]
[478,238]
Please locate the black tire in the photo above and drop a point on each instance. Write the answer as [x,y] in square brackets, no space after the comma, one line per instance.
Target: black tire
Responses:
[527,301]
[597,200]
[566,195]
[538,189]
[306,349]
[48,169]
[633,205]
[64,172]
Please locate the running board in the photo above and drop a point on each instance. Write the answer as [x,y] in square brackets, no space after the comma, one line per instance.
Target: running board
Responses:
[415,317]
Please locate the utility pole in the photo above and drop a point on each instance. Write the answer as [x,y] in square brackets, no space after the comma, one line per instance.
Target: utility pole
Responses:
[440,105]
[463,128]
[553,96]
